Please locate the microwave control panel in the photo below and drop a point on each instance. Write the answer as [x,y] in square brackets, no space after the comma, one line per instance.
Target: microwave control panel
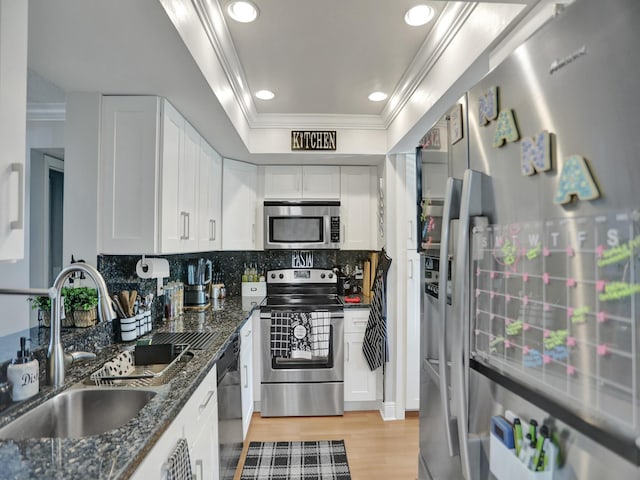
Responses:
[335,229]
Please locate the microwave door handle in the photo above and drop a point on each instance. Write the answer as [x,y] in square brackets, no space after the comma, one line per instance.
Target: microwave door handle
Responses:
[470,206]
[450,212]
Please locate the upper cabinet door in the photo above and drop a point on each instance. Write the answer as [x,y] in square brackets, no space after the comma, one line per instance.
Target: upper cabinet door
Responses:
[301,182]
[283,182]
[13,105]
[173,224]
[129,160]
[188,188]
[321,182]
[210,199]
[357,204]
[239,205]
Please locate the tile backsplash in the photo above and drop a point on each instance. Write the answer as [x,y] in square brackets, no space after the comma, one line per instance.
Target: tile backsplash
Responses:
[119,271]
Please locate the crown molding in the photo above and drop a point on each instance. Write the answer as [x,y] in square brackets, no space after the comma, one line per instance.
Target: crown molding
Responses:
[46,112]
[447,25]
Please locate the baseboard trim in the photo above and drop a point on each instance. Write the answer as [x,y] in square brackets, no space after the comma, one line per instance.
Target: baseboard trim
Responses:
[388,411]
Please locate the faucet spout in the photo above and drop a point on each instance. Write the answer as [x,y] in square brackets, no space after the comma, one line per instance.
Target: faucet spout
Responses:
[57,360]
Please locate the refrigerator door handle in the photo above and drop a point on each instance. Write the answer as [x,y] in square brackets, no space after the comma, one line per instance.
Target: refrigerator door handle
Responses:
[450,212]
[470,206]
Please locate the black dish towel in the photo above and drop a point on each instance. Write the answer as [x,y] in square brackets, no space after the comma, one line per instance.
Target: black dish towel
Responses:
[375,346]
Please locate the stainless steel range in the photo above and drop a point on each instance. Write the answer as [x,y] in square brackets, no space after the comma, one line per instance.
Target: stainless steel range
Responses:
[302,332]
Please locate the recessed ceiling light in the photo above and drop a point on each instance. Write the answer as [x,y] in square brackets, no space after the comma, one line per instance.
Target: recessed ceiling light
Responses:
[418,15]
[242,11]
[377,96]
[265,94]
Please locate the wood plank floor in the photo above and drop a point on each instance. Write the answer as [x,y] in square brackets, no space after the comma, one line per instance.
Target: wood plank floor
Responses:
[377,450]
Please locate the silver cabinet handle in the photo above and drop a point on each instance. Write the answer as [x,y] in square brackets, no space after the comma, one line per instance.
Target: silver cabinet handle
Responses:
[246,377]
[348,352]
[188,225]
[19,223]
[206,401]
[451,211]
[411,230]
[183,218]
[214,229]
[470,206]
[200,468]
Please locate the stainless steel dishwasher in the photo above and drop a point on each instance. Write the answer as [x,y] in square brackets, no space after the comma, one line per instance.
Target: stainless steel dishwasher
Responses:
[229,409]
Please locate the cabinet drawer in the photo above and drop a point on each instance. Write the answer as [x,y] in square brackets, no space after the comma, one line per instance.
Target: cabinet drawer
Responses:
[355,320]
[200,406]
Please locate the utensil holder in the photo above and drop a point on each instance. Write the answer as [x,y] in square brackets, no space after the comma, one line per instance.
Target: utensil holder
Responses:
[505,465]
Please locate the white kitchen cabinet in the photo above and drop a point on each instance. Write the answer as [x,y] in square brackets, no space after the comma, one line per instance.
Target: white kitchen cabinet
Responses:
[239,205]
[412,381]
[197,422]
[359,381]
[246,374]
[358,201]
[13,111]
[210,199]
[257,360]
[150,159]
[302,182]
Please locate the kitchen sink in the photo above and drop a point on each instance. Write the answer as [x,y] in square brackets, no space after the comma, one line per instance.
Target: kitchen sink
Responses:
[79,413]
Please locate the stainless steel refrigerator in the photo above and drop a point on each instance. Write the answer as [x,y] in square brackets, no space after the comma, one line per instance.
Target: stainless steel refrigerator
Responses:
[544,321]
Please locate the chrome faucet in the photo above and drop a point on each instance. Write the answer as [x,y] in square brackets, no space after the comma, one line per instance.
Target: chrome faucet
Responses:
[57,360]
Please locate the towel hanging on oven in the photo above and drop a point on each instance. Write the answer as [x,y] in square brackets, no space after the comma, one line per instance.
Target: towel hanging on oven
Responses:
[280,334]
[375,345]
[300,335]
[320,333]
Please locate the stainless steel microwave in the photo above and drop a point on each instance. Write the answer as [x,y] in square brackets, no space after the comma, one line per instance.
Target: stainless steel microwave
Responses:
[302,225]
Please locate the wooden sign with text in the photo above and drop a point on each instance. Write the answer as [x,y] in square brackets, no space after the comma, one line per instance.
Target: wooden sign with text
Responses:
[313,140]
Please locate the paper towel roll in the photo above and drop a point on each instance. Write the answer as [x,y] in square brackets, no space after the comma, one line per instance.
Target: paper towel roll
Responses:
[152,268]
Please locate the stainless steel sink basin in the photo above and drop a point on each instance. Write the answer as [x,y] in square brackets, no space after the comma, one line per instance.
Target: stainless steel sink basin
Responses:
[78,413]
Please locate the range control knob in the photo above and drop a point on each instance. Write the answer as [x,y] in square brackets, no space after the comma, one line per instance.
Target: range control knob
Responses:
[331,275]
[273,275]
[281,276]
[322,275]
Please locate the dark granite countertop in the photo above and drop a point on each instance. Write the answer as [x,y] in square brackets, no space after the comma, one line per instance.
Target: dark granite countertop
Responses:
[365,302]
[116,454]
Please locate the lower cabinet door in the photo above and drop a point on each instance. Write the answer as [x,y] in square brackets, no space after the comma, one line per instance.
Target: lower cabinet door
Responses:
[204,450]
[359,381]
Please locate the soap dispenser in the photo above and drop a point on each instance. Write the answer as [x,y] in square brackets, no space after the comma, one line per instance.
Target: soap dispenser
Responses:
[23,374]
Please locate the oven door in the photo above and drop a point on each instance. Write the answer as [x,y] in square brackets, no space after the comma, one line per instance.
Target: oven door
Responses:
[297,370]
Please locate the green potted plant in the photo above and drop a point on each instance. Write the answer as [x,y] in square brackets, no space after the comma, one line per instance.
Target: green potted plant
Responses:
[83,304]
[43,304]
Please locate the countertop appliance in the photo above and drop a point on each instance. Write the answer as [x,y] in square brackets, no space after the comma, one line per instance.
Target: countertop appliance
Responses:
[229,409]
[197,291]
[544,317]
[302,225]
[302,335]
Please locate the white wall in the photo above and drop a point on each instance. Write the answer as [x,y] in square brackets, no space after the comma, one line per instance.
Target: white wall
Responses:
[82,140]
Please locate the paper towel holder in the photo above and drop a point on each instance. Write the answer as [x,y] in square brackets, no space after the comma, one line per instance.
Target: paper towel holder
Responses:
[144,267]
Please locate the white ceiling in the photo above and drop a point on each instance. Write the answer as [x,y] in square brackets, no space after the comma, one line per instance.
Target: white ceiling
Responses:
[321,58]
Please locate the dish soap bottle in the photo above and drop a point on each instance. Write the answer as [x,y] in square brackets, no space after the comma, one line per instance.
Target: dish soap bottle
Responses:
[23,374]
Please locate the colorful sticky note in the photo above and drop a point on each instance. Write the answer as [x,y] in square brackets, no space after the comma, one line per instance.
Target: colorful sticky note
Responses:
[602,350]
[526,326]
[545,278]
[525,300]
[571,370]
[546,333]
[570,251]
[546,252]
[569,311]
[492,294]
[507,274]
[546,307]
[571,341]
[507,344]
[525,277]
[507,298]
[492,274]
[599,251]
[546,359]
[600,285]
[571,282]
[575,180]
[525,350]
[601,317]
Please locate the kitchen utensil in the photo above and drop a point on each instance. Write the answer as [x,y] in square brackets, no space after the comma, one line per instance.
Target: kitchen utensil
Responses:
[124,301]
[366,278]
[118,307]
[132,300]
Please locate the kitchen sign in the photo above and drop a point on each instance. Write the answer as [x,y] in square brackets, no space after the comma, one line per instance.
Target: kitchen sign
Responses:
[313,140]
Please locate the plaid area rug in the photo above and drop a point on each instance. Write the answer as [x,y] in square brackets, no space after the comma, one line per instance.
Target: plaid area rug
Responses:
[320,460]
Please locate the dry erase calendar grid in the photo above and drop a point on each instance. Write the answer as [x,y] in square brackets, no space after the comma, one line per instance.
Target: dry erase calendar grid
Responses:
[555,306]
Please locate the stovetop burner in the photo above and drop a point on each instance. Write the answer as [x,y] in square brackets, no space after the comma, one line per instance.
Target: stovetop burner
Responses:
[302,288]
[302,300]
